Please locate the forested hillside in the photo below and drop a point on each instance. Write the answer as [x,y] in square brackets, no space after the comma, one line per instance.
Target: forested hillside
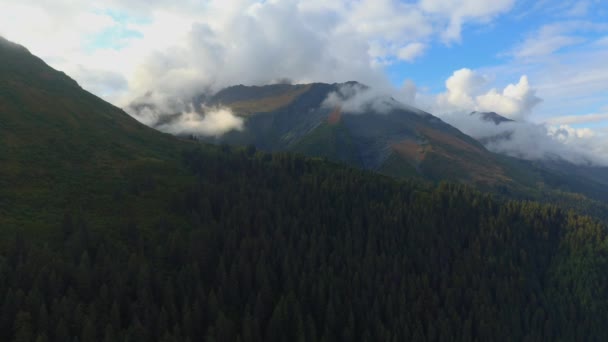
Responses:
[280,248]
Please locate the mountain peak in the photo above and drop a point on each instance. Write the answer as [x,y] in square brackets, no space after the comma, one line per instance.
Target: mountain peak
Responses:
[17,64]
[491,116]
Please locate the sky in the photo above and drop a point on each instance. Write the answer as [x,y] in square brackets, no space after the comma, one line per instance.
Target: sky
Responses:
[539,62]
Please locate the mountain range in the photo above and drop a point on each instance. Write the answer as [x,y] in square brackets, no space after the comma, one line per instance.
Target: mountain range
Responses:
[113,231]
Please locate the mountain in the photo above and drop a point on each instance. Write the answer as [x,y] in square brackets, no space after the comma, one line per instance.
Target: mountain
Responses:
[379,134]
[112,231]
[397,140]
[491,117]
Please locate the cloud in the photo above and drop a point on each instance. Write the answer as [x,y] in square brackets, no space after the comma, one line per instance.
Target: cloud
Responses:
[533,141]
[213,122]
[458,12]
[460,89]
[578,119]
[554,37]
[407,93]
[515,101]
[547,40]
[465,91]
[411,51]
[579,9]
[571,81]
[355,98]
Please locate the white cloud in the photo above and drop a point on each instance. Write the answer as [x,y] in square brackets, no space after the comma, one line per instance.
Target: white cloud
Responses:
[358,99]
[551,38]
[457,12]
[214,122]
[461,87]
[578,119]
[411,51]
[408,92]
[579,8]
[515,101]
[466,90]
[547,40]
[602,42]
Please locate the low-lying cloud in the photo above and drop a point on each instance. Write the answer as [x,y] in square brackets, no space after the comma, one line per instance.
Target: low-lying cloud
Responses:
[356,98]
[533,141]
[213,122]
[207,121]
[466,91]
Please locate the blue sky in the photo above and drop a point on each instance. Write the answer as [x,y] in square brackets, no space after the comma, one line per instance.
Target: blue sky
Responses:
[494,46]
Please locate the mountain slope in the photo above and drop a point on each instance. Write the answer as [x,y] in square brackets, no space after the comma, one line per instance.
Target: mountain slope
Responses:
[60,145]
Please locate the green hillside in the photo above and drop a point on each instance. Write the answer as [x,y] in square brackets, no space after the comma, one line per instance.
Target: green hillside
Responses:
[112,231]
[61,146]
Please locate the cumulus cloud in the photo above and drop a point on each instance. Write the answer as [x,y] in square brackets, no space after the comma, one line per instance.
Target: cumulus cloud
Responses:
[465,91]
[515,101]
[460,89]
